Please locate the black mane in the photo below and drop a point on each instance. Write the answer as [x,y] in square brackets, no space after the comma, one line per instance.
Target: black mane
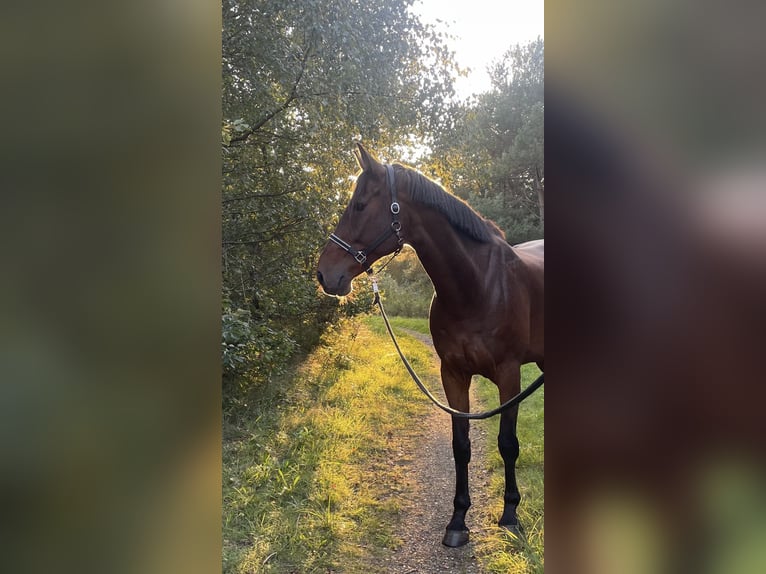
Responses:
[459,214]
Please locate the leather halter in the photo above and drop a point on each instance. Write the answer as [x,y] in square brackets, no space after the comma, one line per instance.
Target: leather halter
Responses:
[394,229]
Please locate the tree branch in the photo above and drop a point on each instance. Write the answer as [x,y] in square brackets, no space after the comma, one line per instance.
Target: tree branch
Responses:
[259,195]
[274,233]
[281,108]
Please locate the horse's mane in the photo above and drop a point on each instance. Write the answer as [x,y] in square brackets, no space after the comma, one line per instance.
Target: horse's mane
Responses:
[459,214]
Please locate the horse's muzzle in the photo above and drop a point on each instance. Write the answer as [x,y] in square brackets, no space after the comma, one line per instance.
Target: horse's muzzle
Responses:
[338,289]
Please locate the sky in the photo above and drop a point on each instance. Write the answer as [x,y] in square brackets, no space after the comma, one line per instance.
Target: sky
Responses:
[483,30]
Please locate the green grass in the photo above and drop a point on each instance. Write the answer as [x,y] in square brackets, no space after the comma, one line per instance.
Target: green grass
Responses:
[307,482]
[307,486]
[417,325]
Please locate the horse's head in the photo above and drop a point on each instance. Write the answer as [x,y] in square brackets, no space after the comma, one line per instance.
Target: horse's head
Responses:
[367,230]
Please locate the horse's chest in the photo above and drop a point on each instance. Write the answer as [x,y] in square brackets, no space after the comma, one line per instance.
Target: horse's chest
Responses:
[476,355]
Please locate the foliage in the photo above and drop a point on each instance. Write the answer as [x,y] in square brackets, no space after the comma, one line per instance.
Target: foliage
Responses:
[300,80]
[237,341]
[492,155]
[406,288]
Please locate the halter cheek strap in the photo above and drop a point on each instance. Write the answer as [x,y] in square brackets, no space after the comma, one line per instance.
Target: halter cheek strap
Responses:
[394,229]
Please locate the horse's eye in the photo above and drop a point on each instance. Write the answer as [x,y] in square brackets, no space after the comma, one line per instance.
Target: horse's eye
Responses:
[359,206]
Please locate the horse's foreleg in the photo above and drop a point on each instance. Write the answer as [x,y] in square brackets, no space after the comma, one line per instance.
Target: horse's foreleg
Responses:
[508,444]
[456,389]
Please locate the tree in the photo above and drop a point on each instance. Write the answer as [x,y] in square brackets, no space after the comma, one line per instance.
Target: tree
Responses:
[301,80]
[493,153]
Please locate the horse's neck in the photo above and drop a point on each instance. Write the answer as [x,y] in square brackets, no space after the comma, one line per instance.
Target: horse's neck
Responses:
[449,259]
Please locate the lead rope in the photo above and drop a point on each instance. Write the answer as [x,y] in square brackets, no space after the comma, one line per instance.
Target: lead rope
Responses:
[536,384]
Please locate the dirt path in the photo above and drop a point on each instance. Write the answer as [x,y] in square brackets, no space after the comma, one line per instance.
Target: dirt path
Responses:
[427,506]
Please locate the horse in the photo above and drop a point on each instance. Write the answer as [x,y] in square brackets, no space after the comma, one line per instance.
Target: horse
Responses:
[486,316]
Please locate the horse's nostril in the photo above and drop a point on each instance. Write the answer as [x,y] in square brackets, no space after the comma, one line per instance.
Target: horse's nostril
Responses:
[320,278]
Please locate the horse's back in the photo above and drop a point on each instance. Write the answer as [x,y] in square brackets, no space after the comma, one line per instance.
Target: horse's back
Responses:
[534,247]
[532,254]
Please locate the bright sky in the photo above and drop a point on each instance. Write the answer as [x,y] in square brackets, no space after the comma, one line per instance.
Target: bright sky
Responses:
[483,30]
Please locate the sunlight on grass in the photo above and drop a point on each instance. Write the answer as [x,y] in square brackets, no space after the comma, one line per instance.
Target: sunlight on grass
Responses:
[306,472]
[307,469]
[417,325]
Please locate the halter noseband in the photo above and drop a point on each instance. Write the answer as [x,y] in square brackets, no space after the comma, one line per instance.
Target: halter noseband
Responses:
[394,229]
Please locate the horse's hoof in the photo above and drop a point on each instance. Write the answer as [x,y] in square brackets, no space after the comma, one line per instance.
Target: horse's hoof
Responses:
[455,538]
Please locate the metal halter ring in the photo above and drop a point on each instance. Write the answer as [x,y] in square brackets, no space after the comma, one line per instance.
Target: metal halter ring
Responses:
[395,208]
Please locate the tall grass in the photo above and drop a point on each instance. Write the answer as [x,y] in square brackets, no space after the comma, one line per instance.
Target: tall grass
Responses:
[307,476]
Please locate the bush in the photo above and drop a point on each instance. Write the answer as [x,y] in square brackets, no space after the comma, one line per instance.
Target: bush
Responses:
[237,345]
[247,345]
[406,288]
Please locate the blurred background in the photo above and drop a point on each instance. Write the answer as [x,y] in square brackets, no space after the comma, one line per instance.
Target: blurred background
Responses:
[656,274]
[110,287]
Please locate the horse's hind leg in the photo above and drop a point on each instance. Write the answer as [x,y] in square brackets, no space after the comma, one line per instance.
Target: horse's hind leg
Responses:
[456,389]
[508,444]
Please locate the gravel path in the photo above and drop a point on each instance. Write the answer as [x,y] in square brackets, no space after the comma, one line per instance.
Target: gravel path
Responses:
[427,504]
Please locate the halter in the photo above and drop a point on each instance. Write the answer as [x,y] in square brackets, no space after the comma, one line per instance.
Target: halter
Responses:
[394,229]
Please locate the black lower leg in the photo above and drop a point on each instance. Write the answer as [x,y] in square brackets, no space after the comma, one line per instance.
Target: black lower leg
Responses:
[457,531]
[508,445]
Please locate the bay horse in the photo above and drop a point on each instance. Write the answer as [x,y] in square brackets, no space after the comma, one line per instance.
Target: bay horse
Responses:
[486,317]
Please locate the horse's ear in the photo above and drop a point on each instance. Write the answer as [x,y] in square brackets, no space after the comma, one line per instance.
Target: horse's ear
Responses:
[367,161]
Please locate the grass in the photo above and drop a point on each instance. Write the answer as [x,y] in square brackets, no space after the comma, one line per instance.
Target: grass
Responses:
[307,476]
[308,484]
[417,325]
